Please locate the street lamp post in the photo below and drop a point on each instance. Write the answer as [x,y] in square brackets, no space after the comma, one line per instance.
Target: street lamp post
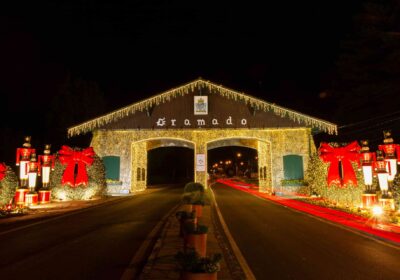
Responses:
[238,156]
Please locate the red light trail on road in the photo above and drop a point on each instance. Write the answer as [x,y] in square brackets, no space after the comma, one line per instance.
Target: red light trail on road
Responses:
[388,231]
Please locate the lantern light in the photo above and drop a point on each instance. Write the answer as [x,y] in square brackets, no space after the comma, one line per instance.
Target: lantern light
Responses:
[377,210]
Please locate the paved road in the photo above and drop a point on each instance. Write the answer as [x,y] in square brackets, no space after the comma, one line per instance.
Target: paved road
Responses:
[95,244]
[279,243]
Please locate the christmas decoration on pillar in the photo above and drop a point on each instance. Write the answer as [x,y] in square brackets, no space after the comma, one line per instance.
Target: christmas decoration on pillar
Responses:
[46,165]
[23,157]
[367,161]
[340,157]
[72,158]
[389,149]
[33,168]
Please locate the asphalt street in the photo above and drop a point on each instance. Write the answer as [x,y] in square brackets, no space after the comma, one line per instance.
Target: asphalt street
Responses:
[279,243]
[95,244]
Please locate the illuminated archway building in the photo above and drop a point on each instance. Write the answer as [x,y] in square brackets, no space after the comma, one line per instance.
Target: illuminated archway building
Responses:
[202,115]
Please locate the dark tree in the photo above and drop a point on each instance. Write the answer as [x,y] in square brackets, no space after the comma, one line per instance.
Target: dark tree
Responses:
[368,66]
[77,100]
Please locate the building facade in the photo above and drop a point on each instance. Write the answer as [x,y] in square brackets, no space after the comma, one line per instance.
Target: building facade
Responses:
[202,116]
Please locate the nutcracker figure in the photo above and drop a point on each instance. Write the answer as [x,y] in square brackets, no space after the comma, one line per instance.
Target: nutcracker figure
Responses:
[381,167]
[46,163]
[33,168]
[367,162]
[389,149]
[23,157]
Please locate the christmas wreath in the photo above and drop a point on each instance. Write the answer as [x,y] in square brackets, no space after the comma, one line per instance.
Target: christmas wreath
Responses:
[94,186]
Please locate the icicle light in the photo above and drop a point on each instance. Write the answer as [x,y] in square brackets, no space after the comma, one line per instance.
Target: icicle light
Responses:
[146,104]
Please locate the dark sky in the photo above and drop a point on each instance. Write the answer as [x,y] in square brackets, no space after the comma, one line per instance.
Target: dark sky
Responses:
[281,51]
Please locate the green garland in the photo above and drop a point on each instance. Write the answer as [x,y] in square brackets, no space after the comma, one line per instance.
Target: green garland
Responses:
[96,187]
[8,186]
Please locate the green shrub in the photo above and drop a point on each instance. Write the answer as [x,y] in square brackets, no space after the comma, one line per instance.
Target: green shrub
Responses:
[191,261]
[194,193]
[8,186]
[193,187]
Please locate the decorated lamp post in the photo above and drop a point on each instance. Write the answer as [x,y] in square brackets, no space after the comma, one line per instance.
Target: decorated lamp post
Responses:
[367,161]
[381,167]
[22,160]
[33,169]
[46,165]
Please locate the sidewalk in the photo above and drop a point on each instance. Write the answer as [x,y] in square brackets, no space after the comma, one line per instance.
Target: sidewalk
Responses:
[161,264]
[59,207]
[39,213]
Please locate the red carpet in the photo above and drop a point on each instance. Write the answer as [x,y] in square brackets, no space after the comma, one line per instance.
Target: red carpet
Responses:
[372,226]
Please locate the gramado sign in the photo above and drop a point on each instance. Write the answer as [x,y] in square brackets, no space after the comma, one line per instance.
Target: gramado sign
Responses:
[163,122]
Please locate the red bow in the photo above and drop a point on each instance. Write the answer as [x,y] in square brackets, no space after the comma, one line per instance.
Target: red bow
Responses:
[3,169]
[345,155]
[70,157]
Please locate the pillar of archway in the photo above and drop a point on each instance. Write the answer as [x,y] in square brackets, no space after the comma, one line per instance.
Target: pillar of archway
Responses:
[200,162]
[139,166]
[264,167]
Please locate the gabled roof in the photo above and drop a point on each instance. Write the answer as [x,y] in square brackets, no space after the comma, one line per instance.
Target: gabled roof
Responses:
[185,89]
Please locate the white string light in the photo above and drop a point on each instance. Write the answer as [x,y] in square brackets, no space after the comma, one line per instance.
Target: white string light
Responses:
[146,104]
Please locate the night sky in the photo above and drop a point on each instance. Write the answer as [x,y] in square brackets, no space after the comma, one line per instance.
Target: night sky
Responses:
[284,53]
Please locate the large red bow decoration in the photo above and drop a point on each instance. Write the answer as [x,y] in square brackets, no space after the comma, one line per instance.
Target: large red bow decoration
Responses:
[71,158]
[344,155]
[3,169]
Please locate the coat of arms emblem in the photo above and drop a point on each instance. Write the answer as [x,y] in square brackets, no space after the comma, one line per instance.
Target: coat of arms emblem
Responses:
[201,105]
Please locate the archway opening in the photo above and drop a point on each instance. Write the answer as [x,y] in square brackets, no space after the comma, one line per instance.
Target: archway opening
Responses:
[170,165]
[233,161]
